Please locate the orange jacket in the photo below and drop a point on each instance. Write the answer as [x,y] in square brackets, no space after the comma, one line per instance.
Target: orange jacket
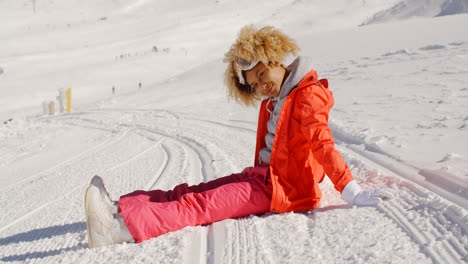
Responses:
[303,148]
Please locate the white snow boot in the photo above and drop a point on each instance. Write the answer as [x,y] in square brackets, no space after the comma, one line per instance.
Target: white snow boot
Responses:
[104,227]
[99,183]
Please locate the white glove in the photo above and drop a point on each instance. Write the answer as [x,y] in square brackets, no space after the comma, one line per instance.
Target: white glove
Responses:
[353,194]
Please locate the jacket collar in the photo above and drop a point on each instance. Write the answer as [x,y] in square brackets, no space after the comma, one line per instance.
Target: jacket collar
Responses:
[298,69]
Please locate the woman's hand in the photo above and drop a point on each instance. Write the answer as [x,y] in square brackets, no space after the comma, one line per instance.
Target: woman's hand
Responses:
[353,194]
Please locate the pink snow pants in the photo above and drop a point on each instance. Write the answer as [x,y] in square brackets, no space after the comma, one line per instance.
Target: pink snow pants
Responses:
[150,214]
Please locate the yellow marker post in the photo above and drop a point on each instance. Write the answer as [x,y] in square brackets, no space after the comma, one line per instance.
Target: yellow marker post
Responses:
[68,100]
[51,108]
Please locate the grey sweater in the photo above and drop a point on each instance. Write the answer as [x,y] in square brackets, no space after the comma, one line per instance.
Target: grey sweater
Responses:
[297,70]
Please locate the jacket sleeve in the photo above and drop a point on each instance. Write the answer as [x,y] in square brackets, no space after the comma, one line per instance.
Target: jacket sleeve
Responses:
[263,117]
[311,109]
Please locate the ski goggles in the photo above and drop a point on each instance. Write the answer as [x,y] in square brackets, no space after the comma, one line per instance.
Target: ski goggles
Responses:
[242,65]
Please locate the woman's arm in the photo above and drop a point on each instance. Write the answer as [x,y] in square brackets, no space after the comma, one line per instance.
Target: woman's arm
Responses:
[311,109]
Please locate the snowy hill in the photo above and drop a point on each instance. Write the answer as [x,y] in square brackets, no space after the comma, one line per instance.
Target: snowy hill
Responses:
[399,120]
[419,8]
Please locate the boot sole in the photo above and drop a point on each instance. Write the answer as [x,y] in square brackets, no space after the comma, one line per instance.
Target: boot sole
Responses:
[99,183]
[87,209]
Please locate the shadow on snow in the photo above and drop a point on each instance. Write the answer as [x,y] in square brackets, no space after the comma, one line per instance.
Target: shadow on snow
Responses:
[42,233]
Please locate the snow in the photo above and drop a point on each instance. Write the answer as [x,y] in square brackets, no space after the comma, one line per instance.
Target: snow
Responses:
[425,8]
[401,89]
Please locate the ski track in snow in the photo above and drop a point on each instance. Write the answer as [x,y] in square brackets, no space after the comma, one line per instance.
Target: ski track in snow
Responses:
[29,178]
[410,210]
[173,151]
[196,157]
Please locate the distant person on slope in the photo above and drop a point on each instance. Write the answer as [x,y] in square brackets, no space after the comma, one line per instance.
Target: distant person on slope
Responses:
[294,151]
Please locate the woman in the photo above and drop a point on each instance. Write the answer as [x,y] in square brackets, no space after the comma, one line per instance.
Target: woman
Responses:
[294,151]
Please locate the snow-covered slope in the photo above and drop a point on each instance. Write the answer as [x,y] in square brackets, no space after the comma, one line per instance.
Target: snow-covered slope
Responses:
[419,8]
[399,120]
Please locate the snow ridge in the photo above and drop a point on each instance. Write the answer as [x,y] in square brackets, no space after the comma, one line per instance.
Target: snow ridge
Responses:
[419,8]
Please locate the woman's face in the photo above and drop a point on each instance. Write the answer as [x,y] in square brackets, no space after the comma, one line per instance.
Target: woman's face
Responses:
[266,79]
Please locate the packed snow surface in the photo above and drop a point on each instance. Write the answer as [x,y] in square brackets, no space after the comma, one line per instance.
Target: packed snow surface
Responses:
[400,121]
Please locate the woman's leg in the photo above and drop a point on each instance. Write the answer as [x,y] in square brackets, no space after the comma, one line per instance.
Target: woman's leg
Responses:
[159,196]
[229,197]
